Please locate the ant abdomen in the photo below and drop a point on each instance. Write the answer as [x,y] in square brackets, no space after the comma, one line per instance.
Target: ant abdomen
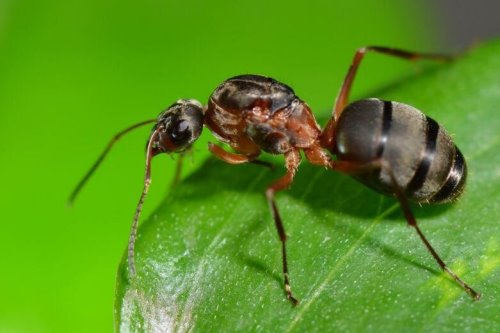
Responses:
[421,155]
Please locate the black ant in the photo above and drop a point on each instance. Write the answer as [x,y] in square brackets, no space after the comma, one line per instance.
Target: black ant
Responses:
[389,146]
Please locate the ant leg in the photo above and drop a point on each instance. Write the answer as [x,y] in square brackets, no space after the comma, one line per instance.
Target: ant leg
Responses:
[405,207]
[233,158]
[317,156]
[343,96]
[352,169]
[292,160]
[178,170]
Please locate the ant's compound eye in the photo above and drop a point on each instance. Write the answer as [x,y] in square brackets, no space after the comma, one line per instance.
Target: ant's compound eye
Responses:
[181,132]
[180,125]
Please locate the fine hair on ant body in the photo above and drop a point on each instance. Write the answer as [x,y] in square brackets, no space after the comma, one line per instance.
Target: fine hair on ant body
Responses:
[389,146]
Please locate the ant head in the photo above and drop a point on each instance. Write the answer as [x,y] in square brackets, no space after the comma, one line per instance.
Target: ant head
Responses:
[177,127]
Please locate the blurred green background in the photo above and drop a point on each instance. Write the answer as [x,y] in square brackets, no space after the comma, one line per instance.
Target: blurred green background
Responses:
[73,73]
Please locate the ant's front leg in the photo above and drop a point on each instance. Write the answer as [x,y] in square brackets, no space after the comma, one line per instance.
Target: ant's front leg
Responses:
[233,158]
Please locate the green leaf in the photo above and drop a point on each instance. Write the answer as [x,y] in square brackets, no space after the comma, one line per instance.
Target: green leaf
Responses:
[209,258]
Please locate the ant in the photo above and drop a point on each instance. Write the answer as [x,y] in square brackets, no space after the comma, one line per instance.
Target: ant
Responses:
[389,146]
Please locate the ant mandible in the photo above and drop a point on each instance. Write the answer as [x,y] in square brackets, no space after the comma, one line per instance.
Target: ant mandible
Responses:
[389,146]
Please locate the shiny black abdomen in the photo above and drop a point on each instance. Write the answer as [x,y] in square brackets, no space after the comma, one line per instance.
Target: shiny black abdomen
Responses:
[425,162]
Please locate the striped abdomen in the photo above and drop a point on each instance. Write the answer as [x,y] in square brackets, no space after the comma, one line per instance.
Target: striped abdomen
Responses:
[424,160]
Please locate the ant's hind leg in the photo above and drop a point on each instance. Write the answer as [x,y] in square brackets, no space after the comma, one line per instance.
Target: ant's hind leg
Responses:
[353,169]
[410,218]
[343,97]
[292,160]
[327,135]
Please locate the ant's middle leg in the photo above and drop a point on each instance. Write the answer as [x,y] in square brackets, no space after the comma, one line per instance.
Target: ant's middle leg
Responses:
[292,161]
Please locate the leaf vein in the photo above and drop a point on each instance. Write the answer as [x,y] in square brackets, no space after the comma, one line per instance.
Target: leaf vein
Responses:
[334,270]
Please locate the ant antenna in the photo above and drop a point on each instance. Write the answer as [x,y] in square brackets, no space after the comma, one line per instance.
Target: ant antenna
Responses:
[115,138]
[147,182]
